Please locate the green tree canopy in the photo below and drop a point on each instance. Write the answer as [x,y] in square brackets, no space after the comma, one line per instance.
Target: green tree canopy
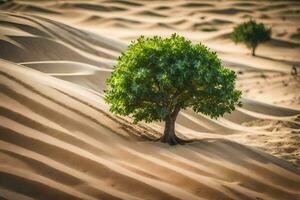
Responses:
[155,78]
[251,34]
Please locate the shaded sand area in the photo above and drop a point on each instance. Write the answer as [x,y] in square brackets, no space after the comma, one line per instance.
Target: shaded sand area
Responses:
[59,141]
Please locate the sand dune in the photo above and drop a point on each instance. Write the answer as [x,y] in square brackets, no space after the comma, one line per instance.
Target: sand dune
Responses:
[82,74]
[58,40]
[46,134]
[58,139]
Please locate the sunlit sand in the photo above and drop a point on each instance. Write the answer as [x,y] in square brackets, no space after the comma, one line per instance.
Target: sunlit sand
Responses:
[58,139]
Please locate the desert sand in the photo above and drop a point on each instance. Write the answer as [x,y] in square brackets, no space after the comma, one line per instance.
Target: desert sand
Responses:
[58,139]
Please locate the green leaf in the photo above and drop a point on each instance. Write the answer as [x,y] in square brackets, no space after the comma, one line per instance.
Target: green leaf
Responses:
[156,74]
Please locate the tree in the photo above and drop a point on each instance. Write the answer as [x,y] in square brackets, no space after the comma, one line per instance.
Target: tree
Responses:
[251,34]
[156,78]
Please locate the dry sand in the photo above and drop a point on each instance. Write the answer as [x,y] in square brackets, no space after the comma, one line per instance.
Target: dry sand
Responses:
[59,141]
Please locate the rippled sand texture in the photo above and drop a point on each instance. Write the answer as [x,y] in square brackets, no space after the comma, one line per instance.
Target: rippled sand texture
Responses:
[59,141]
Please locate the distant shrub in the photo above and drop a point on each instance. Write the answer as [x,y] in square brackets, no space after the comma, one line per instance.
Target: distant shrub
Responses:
[263,75]
[4,1]
[264,16]
[251,34]
[209,29]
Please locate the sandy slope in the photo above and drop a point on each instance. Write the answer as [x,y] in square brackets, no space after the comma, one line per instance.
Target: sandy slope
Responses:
[58,140]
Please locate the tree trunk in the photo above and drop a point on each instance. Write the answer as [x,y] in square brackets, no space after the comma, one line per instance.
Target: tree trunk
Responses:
[253,51]
[169,135]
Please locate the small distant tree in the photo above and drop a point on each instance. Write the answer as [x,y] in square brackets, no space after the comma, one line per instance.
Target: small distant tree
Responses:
[156,78]
[4,1]
[251,34]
